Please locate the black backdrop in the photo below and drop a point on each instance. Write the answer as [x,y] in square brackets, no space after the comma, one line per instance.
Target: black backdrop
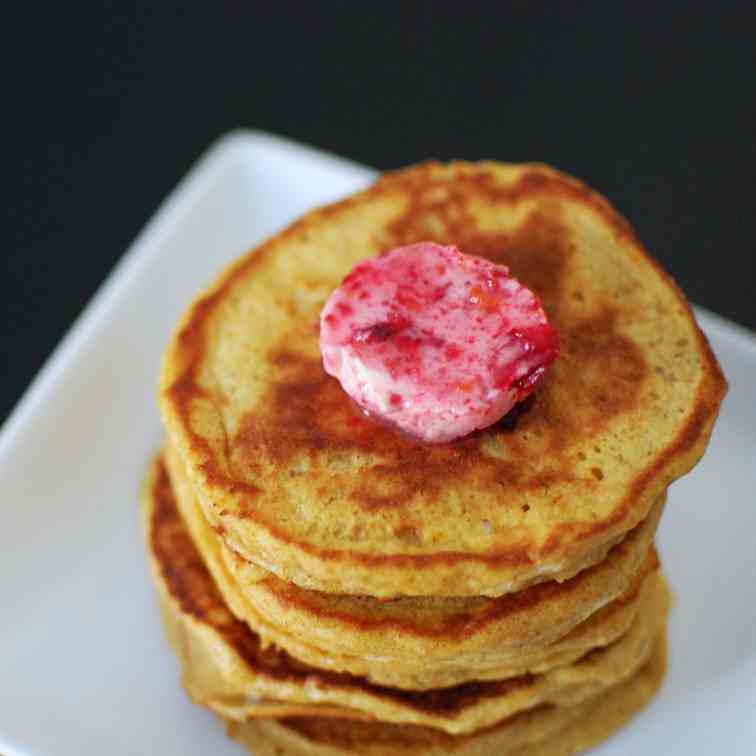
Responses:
[107,105]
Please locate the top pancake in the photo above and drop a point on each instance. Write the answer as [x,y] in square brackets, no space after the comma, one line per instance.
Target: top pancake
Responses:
[298,481]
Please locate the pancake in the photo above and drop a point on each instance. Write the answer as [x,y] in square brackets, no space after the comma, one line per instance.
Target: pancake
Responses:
[226,668]
[303,485]
[546,731]
[423,643]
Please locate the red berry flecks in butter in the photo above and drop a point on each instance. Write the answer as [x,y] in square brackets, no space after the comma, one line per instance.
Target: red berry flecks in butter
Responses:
[435,342]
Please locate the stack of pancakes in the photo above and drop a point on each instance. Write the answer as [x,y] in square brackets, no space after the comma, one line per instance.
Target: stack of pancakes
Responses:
[333,587]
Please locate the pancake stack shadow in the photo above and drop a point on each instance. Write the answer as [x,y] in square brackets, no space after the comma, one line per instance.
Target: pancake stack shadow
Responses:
[331,587]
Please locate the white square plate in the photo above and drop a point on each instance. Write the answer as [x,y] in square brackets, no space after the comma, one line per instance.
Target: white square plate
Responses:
[84,668]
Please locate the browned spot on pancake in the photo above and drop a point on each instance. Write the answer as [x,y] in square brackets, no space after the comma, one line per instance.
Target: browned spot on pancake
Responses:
[183,392]
[306,413]
[408,534]
[449,702]
[436,196]
[190,337]
[191,586]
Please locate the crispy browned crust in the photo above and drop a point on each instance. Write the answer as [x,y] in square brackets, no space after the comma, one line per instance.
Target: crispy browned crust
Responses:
[286,426]
[202,630]
[547,731]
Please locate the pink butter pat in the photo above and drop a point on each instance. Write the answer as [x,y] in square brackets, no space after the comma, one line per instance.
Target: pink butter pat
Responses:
[435,342]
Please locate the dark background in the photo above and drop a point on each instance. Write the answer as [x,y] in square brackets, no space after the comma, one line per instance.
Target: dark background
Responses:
[107,105]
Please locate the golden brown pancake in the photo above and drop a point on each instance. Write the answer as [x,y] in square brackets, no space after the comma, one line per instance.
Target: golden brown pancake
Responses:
[421,643]
[545,731]
[301,484]
[226,668]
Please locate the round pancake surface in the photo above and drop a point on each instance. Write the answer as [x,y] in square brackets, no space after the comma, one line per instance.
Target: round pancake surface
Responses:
[308,488]
[425,642]
[226,668]
[546,731]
